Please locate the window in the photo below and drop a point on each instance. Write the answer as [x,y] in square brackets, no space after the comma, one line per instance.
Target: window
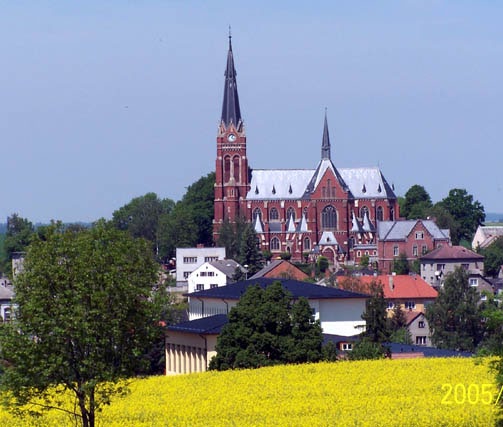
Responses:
[210,258]
[199,287]
[273,214]
[186,274]
[307,243]
[290,213]
[465,266]
[364,210]
[420,324]
[395,250]
[391,214]
[211,273]
[420,340]
[275,245]
[414,250]
[440,267]
[347,346]
[379,213]
[391,305]
[473,281]
[203,273]
[189,259]
[329,217]
[410,305]
[257,213]
[6,315]
[419,235]
[227,168]
[358,254]
[235,162]
[213,285]
[424,249]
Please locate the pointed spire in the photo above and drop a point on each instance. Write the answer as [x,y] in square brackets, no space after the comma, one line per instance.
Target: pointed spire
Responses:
[325,145]
[231,112]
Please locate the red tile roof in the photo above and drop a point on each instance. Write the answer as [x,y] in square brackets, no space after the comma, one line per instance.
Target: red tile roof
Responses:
[402,286]
[452,252]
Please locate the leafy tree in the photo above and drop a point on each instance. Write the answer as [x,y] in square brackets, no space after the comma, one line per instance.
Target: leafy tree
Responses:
[230,235]
[492,312]
[401,264]
[455,318]
[364,261]
[17,238]
[322,264]
[267,328]
[376,329]
[177,230]
[366,349]
[493,257]
[416,203]
[467,213]
[397,325]
[86,317]
[249,252]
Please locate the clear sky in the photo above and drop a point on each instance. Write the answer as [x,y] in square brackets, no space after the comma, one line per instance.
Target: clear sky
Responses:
[103,101]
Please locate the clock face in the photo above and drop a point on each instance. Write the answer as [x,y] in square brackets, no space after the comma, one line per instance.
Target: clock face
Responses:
[231,137]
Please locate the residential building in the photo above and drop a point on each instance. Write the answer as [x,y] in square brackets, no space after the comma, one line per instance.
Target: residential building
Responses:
[213,274]
[280,268]
[334,210]
[6,296]
[443,260]
[413,238]
[189,259]
[190,345]
[485,235]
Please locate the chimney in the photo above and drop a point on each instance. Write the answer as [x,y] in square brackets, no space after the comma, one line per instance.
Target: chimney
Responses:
[391,284]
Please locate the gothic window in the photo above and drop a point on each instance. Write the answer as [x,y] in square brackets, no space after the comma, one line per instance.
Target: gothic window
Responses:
[227,168]
[391,214]
[275,245]
[351,242]
[290,213]
[257,213]
[329,218]
[273,215]
[379,214]
[235,162]
[305,213]
[307,244]
[364,210]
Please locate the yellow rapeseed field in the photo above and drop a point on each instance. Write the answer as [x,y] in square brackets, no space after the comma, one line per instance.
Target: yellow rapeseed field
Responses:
[414,392]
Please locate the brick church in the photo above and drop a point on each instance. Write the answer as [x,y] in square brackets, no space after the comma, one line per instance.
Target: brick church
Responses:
[325,211]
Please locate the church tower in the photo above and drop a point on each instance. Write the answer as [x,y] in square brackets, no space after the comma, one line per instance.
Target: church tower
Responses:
[231,176]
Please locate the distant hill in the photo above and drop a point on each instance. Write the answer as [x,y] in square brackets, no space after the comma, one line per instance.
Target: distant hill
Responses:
[494,217]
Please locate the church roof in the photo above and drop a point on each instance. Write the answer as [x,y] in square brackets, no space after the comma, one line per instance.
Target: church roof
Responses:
[367,183]
[231,113]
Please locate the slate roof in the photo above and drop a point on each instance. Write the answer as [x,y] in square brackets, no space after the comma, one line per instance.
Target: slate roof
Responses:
[457,253]
[206,325]
[271,266]
[231,112]
[404,286]
[367,183]
[227,266]
[399,230]
[295,287]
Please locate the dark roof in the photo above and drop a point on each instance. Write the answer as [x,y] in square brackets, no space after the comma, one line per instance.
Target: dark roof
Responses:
[325,144]
[454,253]
[206,325]
[231,112]
[295,287]
[427,351]
[339,338]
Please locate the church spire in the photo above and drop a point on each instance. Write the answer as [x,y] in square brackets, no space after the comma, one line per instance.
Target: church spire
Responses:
[325,145]
[231,112]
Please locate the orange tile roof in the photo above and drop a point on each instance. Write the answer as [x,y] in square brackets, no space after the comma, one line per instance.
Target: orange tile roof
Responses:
[403,286]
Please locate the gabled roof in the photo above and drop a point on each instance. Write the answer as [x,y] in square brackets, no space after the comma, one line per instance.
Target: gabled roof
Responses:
[328,238]
[410,316]
[264,272]
[227,266]
[295,287]
[453,253]
[211,325]
[402,286]
[399,230]
[367,183]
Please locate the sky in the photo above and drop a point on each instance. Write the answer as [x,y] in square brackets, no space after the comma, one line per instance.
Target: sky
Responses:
[103,101]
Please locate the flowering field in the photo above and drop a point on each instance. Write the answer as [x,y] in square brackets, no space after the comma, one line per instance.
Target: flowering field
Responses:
[414,392]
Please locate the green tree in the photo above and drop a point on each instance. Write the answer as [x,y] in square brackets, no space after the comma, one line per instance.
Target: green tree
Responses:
[397,326]
[17,238]
[401,264]
[230,235]
[416,203]
[267,328]
[86,318]
[455,318]
[493,257]
[249,252]
[376,328]
[468,214]
[366,349]
[177,230]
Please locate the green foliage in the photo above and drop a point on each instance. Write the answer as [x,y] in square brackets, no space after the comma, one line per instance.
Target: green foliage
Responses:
[401,336]
[376,329]
[366,349]
[17,238]
[493,257]
[286,256]
[364,261]
[230,235]
[467,213]
[492,313]
[401,264]
[249,252]
[322,264]
[329,352]
[266,328]
[455,318]
[416,203]
[177,230]
[86,317]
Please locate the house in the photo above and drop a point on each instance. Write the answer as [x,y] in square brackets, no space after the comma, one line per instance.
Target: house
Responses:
[413,238]
[413,295]
[213,274]
[188,259]
[296,210]
[190,345]
[280,268]
[443,260]
[485,235]
[6,296]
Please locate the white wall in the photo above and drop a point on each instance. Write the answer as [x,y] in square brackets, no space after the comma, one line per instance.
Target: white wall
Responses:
[189,259]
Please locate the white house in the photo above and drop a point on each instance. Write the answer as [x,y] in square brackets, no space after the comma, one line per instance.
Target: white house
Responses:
[213,274]
[188,259]
[486,235]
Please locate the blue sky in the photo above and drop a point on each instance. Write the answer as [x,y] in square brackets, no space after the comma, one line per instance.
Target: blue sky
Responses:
[103,101]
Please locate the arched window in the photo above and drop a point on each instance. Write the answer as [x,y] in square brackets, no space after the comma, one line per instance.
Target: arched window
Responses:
[351,242]
[227,168]
[307,244]
[290,213]
[275,245]
[391,214]
[379,213]
[273,215]
[305,213]
[257,213]
[364,210]
[329,218]
[235,162]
